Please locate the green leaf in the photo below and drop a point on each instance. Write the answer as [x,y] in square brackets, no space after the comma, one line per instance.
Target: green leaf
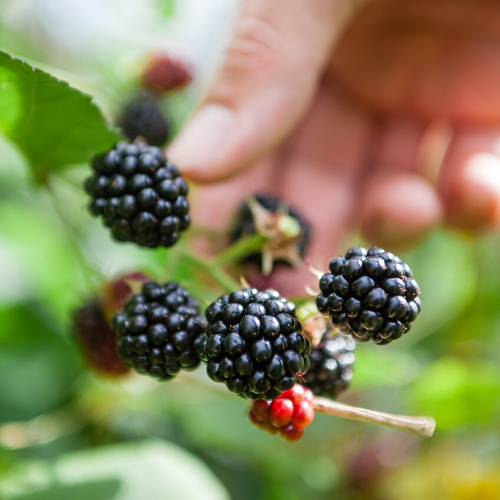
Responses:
[52,123]
[377,367]
[31,350]
[152,470]
[99,490]
[49,273]
[445,292]
[458,393]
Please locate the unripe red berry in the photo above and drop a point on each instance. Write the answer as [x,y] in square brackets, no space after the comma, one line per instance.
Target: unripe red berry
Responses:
[165,73]
[281,412]
[303,414]
[308,395]
[291,432]
[261,410]
[295,394]
[117,291]
[265,426]
[97,340]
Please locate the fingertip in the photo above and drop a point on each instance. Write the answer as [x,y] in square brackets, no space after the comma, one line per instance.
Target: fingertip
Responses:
[471,194]
[201,150]
[399,210]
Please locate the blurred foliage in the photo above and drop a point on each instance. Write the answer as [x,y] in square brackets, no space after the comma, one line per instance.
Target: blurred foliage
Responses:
[128,471]
[166,7]
[64,433]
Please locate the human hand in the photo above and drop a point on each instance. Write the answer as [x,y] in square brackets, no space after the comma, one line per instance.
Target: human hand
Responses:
[335,109]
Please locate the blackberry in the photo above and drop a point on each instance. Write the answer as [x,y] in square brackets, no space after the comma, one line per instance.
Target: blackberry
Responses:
[142,117]
[139,195]
[97,339]
[331,365]
[161,331]
[255,344]
[289,250]
[370,294]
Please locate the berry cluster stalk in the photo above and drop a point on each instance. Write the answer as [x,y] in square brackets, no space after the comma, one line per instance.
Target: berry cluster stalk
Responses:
[423,426]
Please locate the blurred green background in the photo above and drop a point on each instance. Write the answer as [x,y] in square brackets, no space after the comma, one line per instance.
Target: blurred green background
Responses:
[65,433]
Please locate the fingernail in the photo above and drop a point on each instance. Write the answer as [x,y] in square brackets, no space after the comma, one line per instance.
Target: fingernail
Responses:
[200,147]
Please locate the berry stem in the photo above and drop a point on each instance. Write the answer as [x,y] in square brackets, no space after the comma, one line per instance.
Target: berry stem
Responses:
[212,269]
[424,426]
[85,267]
[242,248]
[74,183]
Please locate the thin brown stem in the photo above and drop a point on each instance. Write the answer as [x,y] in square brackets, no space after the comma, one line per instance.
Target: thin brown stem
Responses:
[424,426]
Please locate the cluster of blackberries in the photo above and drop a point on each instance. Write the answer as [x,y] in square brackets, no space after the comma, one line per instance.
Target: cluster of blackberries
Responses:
[286,415]
[161,331]
[370,294]
[139,195]
[255,344]
[142,117]
[331,365]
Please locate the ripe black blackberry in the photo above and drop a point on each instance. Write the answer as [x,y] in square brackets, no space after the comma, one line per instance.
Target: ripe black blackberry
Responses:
[142,117]
[245,224]
[370,294]
[139,195]
[331,365]
[255,344]
[161,331]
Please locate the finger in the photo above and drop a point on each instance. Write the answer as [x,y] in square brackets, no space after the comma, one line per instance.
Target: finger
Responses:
[321,175]
[398,206]
[399,209]
[398,145]
[269,77]
[216,204]
[424,58]
[470,179]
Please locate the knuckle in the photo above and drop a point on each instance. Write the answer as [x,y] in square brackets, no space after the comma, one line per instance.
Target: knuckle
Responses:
[259,43]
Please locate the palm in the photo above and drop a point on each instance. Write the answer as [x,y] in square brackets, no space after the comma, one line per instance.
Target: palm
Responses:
[355,155]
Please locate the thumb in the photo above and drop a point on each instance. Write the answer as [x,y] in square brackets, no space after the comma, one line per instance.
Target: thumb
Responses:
[267,81]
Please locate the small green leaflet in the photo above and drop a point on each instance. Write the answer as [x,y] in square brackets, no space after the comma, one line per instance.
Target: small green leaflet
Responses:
[53,124]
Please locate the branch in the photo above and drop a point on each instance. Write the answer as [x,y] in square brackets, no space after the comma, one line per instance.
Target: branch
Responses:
[248,245]
[211,269]
[423,426]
